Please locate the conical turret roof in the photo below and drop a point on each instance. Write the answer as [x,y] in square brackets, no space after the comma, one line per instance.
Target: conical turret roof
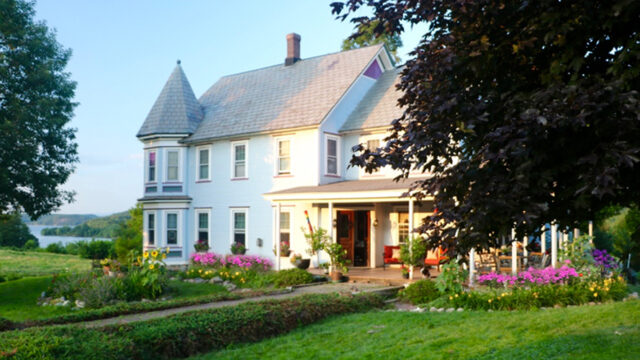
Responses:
[176,111]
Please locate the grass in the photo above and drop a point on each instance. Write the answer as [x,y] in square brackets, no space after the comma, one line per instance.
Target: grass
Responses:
[18,298]
[607,331]
[32,263]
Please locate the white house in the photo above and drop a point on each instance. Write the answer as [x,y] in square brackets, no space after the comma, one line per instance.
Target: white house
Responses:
[244,161]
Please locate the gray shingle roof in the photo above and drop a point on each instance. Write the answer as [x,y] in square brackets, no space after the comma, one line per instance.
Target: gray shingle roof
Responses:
[176,111]
[379,106]
[280,97]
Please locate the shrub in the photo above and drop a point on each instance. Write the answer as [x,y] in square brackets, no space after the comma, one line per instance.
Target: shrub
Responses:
[13,232]
[6,324]
[451,278]
[56,248]
[99,292]
[290,277]
[420,292]
[31,244]
[199,331]
[95,249]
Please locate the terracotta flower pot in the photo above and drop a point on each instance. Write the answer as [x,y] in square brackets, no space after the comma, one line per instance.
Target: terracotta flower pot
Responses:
[336,276]
[106,270]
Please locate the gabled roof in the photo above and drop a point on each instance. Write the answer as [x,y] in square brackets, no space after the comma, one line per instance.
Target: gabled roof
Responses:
[280,97]
[176,111]
[379,107]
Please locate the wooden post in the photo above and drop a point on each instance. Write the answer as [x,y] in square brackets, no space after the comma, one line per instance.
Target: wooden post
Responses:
[472,266]
[411,237]
[514,252]
[278,208]
[554,245]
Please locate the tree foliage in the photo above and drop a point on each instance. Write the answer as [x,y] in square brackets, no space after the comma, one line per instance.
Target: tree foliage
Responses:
[129,234]
[523,112]
[37,151]
[366,35]
[13,232]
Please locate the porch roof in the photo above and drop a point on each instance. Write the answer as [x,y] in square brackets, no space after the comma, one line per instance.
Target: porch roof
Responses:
[375,189]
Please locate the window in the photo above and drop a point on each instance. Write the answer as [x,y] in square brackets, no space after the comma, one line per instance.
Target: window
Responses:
[172,229]
[403,227]
[151,229]
[332,155]
[202,226]
[239,222]
[285,227]
[239,158]
[203,164]
[172,165]
[284,157]
[151,167]
[372,145]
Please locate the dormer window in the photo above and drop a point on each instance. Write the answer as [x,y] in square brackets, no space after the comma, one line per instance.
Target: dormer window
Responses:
[331,150]
[151,166]
[173,167]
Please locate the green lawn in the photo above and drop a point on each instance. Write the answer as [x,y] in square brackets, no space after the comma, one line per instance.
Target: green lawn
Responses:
[32,263]
[609,331]
[18,299]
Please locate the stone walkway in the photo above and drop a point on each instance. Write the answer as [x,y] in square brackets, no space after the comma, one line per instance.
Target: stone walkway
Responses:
[317,289]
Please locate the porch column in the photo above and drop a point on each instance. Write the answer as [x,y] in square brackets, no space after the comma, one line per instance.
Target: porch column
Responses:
[576,233]
[525,252]
[472,266]
[278,208]
[565,240]
[331,221]
[411,236]
[590,231]
[554,245]
[543,241]
[514,252]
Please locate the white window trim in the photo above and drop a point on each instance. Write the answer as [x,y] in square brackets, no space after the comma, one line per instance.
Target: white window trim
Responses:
[276,152]
[166,168]
[197,226]
[198,149]
[146,167]
[178,230]
[287,210]
[326,154]
[246,159]
[363,140]
[145,233]
[244,210]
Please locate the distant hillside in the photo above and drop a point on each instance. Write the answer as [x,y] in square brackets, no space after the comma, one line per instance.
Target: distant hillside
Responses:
[59,219]
[102,227]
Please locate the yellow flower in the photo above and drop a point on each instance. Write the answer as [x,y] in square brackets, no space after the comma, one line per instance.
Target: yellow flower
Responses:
[504,294]
[139,259]
[151,267]
[450,297]
[200,270]
[456,295]
[167,250]
[237,273]
[590,289]
[595,294]
[145,254]
[164,256]
[154,253]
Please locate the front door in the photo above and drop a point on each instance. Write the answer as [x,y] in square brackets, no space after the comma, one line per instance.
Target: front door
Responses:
[345,232]
[353,235]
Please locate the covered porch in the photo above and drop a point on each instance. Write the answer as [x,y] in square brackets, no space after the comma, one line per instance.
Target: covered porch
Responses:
[362,215]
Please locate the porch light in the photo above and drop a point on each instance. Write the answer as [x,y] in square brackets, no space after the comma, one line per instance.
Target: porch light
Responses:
[259,242]
[335,222]
[375,222]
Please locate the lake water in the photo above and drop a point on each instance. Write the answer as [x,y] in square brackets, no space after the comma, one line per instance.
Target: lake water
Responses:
[46,240]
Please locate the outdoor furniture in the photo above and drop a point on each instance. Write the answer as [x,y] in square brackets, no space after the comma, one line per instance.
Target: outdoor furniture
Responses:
[486,263]
[390,256]
[539,260]
[505,263]
[436,258]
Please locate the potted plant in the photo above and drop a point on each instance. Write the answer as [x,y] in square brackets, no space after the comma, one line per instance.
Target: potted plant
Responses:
[238,248]
[337,255]
[285,250]
[297,260]
[317,241]
[106,266]
[413,256]
[325,267]
[201,246]
[405,271]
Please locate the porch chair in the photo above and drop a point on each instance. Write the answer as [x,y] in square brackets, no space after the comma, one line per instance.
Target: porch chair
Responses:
[436,258]
[391,255]
[486,263]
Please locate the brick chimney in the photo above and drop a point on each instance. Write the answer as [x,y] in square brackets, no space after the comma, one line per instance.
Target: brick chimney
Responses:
[293,49]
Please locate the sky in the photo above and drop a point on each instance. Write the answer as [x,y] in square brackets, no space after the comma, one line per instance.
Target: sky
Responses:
[124,51]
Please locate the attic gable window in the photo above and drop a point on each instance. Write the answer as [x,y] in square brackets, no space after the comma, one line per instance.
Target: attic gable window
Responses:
[239,162]
[331,151]
[373,71]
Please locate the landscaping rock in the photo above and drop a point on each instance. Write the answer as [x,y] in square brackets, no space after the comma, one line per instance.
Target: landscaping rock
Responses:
[460,310]
[591,303]
[451,310]
[489,310]
[557,306]
[634,295]
[199,280]
[433,309]
[441,310]
[419,309]
[80,304]
[216,280]
[229,285]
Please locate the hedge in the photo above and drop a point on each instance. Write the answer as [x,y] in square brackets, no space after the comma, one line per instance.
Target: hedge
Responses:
[184,334]
[126,308]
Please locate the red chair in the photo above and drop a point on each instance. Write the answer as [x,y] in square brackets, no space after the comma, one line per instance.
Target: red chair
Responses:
[436,258]
[387,256]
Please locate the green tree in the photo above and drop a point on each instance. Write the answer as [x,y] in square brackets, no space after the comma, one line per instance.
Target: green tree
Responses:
[13,232]
[623,228]
[371,34]
[522,112]
[37,150]
[129,234]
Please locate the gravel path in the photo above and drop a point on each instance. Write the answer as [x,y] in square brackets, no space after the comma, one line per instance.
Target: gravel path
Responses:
[317,289]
